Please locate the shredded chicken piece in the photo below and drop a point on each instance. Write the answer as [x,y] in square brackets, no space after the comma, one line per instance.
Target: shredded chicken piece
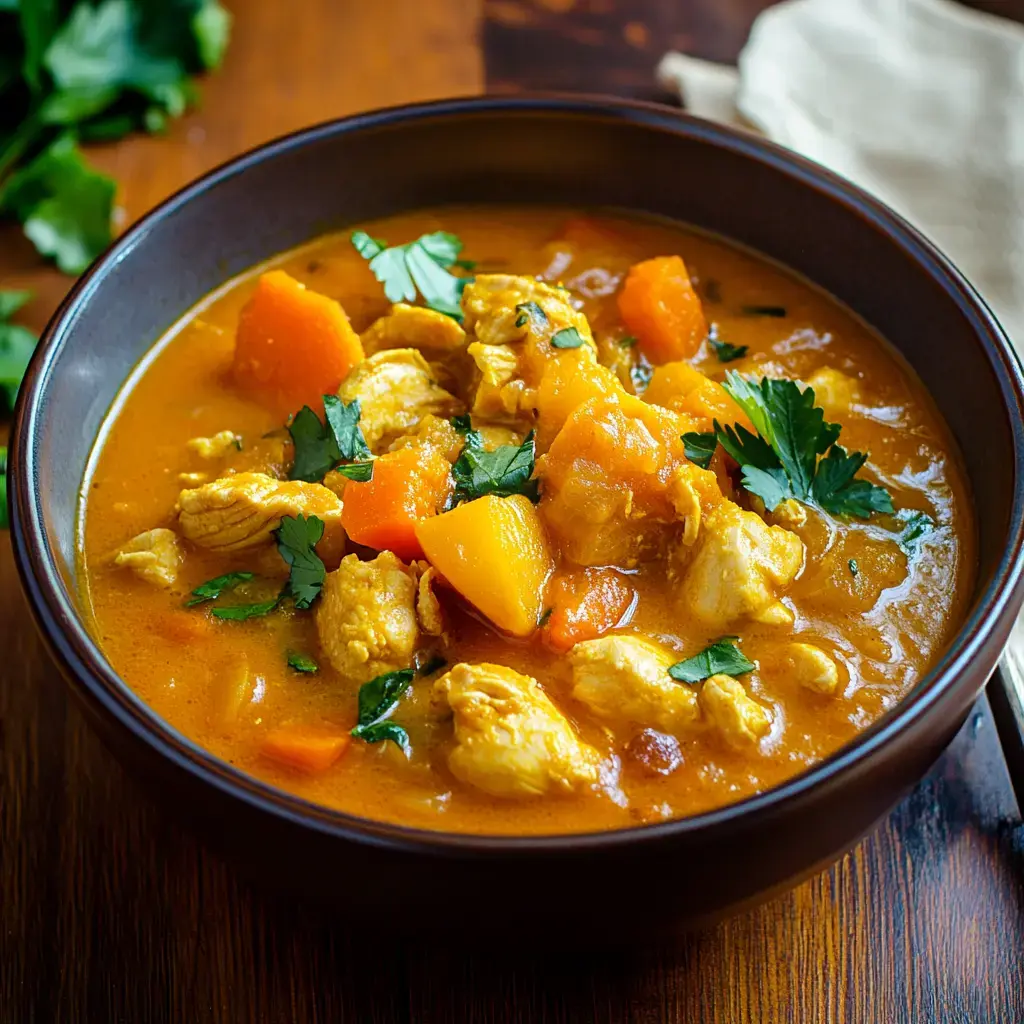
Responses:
[395,390]
[242,511]
[432,432]
[215,447]
[625,679]
[366,617]
[154,556]
[413,327]
[811,667]
[511,741]
[428,607]
[738,717]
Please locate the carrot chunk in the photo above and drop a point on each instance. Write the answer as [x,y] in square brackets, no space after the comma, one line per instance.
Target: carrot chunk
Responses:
[306,748]
[659,305]
[293,345]
[407,485]
[585,604]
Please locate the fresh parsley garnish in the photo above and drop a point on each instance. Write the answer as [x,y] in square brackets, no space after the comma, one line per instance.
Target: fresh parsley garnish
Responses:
[567,337]
[16,347]
[377,700]
[853,567]
[212,589]
[419,266]
[727,353]
[358,471]
[462,424]
[297,538]
[3,489]
[506,470]
[530,311]
[778,312]
[321,446]
[302,663]
[700,447]
[723,656]
[241,612]
[544,616]
[915,525]
[781,460]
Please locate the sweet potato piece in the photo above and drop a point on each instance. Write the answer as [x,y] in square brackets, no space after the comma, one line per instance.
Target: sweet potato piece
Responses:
[584,605]
[305,748]
[683,389]
[565,386]
[407,485]
[659,305]
[493,551]
[293,345]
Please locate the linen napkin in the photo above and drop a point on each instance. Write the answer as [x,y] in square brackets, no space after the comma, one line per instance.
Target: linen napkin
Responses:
[920,102]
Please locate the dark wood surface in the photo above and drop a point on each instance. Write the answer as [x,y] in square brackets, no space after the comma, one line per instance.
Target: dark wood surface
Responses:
[110,912]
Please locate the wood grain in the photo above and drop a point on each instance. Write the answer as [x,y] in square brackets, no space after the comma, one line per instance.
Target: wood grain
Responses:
[110,912]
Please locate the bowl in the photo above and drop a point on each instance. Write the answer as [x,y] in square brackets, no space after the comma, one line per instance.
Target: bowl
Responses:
[577,152]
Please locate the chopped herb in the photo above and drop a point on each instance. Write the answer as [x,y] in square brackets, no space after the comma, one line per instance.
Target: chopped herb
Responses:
[727,353]
[358,471]
[241,612]
[916,525]
[16,347]
[321,446]
[465,264]
[302,663]
[567,337]
[212,589]
[462,424]
[640,374]
[377,700]
[3,489]
[700,447]
[782,461]
[433,664]
[723,656]
[343,419]
[854,568]
[297,537]
[506,470]
[530,311]
[628,341]
[421,265]
[779,312]
[545,615]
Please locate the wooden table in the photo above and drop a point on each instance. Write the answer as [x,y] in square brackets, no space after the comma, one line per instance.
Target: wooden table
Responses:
[109,912]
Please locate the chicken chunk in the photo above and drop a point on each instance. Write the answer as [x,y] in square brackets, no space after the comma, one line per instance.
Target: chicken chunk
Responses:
[413,327]
[154,556]
[625,679]
[432,432]
[738,717]
[834,391]
[501,393]
[740,567]
[242,511]
[428,607]
[367,616]
[811,667]
[215,447]
[395,390]
[510,740]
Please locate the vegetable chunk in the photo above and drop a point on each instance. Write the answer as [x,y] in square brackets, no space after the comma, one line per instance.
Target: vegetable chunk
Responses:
[493,551]
[585,604]
[305,748]
[684,389]
[659,305]
[293,345]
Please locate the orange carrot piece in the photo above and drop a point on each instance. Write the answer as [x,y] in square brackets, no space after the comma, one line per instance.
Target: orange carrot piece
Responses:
[585,604]
[407,485]
[305,748]
[659,305]
[293,345]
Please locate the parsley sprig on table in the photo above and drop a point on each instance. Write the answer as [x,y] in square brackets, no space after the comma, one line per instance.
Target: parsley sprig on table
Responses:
[794,453]
[419,266]
[16,347]
[88,71]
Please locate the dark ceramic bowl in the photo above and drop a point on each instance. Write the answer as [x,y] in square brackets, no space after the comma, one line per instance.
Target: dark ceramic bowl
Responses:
[573,152]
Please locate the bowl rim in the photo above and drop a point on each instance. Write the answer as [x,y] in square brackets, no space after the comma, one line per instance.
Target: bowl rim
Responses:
[93,681]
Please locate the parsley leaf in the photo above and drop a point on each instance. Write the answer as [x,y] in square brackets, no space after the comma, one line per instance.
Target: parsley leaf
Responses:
[358,471]
[319,447]
[462,424]
[530,311]
[297,537]
[727,353]
[343,419]
[377,700]
[505,471]
[3,489]
[567,337]
[916,525]
[241,612]
[302,663]
[16,347]
[723,656]
[700,447]
[421,265]
[781,460]
[212,589]
[853,567]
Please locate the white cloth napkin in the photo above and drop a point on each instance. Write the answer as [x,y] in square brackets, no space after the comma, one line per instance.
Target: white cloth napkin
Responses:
[919,101]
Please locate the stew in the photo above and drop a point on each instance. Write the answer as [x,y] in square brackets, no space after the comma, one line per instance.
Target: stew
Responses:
[524,521]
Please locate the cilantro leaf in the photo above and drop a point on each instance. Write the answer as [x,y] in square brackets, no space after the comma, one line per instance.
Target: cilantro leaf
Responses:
[528,312]
[377,700]
[505,471]
[302,663]
[212,589]
[836,491]
[211,26]
[853,567]
[358,471]
[319,447]
[12,301]
[343,419]
[241,612]
[916,525]
[3,489]
[462,424]
[700,447]
[567,337]
[418,266]
[16,347]
[727,353]
[297,537]
[723,656]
